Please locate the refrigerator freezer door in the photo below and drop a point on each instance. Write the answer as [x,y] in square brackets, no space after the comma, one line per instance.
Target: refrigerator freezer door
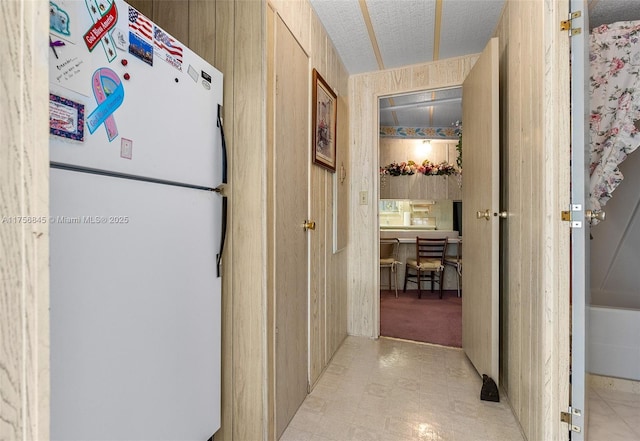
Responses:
[135,310]
[161,116]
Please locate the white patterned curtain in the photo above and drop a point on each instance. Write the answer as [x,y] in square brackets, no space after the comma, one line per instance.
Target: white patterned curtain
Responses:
[615,105]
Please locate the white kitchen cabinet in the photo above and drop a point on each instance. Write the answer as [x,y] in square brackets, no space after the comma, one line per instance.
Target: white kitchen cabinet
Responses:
[420,187]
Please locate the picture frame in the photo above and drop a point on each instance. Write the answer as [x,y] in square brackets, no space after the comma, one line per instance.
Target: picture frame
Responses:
[66,118]
[324,117]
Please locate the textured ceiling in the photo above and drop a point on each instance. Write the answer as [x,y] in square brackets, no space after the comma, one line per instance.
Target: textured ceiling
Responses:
[404,31]
[407,30]
[371,35]
[611,11]
[413,110]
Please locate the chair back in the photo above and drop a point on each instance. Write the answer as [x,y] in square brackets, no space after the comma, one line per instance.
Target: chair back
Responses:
[430,250]
[457,255]
[389,249]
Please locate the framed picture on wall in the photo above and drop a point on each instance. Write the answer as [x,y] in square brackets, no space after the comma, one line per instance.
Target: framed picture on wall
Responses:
[324,123]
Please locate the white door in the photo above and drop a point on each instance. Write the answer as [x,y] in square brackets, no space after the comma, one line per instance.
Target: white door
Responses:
[579,233]
[480,162]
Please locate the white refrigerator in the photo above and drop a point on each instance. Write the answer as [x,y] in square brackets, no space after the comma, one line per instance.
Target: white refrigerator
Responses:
[137,226]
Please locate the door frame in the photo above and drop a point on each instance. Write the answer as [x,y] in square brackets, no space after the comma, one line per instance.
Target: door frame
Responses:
[375,197]
[580,256]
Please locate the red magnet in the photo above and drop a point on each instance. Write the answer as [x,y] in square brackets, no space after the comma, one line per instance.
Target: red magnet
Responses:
[124,62]
[127,76]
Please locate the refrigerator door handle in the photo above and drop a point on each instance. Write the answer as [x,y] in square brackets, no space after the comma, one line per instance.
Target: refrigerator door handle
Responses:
[223,236]
[224,146]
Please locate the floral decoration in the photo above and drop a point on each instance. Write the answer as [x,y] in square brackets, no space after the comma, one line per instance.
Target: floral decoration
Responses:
[426,168]
[419,132]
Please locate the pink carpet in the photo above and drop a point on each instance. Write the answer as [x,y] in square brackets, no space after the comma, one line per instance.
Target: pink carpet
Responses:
[429,319]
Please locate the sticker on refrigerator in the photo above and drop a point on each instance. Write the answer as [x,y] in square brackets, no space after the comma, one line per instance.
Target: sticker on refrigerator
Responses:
[66,118]
[68,66]
[104,15]
[64,21]
[126,148]
[58,20]
[109,95]
[140,25]
[193,73]
[206,80]
[67,56]
[120,39]
[167,48]
[140,49]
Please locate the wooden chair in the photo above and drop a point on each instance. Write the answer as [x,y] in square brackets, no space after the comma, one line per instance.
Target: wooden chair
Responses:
[389,258]
[455,261]
[428,264]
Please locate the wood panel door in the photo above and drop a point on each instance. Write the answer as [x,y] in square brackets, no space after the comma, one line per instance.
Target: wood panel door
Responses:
[289,202]
[480,162]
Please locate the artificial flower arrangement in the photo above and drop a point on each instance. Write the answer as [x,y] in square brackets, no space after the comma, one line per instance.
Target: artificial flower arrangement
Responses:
[426,168]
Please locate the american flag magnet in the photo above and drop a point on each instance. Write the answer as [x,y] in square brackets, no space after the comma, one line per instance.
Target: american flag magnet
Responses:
[167,48]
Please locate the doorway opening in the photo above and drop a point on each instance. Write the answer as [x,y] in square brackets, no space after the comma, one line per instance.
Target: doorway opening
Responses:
[420,195]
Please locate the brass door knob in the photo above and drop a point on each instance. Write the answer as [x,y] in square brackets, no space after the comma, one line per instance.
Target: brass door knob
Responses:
[486,214]
[309,225]
[595,214]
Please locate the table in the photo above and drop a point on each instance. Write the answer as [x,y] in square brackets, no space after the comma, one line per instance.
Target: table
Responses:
[407,238]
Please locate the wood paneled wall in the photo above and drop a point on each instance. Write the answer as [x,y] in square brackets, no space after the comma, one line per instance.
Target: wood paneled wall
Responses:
[191,21]
[535,144]
[24,232]
[246,258]
[405,149]
[364,91]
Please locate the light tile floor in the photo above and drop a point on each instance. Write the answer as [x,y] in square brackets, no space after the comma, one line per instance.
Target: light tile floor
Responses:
[392,390]
[613,415]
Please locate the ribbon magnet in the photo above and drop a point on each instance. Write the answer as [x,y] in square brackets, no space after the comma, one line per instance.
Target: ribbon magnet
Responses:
[105,16]
[109,94]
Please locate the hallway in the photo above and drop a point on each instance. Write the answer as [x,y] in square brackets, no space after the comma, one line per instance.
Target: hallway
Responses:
[392,390]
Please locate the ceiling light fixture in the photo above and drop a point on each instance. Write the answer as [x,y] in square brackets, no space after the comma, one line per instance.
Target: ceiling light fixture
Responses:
[423,149]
